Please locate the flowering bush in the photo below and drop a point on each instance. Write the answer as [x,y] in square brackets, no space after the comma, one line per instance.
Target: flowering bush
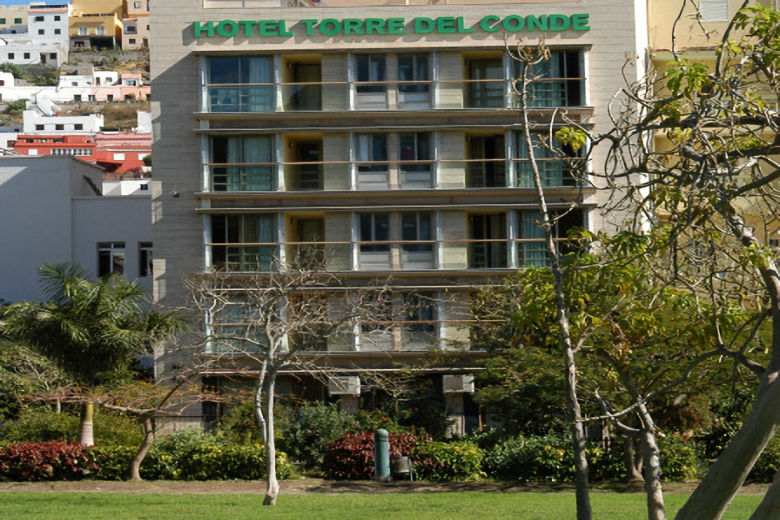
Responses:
[50,460]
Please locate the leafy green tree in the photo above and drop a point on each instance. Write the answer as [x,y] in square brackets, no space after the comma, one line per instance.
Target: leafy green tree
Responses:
[716,183]
[94,331]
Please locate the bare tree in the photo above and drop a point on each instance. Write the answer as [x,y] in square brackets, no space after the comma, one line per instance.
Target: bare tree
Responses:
[528,57]
[276,321]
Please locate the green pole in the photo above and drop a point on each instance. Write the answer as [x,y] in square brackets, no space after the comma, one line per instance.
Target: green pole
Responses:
[381,455]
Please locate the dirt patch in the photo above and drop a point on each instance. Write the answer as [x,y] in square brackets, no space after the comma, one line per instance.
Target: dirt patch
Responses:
[312,485]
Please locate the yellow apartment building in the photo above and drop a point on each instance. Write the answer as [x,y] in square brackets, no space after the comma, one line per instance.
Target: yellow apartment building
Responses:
[96,23]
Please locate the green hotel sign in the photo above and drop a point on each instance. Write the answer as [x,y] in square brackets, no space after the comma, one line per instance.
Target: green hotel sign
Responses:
[391,26]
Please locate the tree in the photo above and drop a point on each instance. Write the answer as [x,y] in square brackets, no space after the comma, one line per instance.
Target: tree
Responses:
[277,321]
[23,373]
[716,178]
[93,331]
[529,57]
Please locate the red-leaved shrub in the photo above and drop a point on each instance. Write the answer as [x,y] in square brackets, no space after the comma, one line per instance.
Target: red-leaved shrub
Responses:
[351,456]
[51,460]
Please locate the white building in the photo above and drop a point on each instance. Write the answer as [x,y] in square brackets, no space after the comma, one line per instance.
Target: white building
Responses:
[53,211]
[43,40]
[36,120]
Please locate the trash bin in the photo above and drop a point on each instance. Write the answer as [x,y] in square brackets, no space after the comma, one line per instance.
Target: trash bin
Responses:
[402,466]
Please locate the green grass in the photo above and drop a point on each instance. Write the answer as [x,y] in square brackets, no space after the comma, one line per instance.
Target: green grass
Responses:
[449,506]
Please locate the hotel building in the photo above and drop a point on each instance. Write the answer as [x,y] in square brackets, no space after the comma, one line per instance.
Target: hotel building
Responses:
[386,133]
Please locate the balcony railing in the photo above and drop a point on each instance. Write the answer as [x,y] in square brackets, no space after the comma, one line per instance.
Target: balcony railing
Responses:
[384,175]
[335,96]
[388,255]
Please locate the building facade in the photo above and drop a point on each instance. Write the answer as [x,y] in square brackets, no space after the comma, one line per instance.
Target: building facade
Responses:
[392,143]
[136,24]
[71,221]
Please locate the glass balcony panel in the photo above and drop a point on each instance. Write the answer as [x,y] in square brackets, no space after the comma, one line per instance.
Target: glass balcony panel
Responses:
[242,98]
[532,253]
[302,96]
[485,173]
[554,92]
[373,176]
[243,257]
[487,254]
[553,172]
[416,174]
[243,177]
[417,255]
[484,93]
[371,96]
[414,95]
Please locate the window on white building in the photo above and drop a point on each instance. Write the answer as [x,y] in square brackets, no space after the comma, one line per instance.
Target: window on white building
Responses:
[144,258]
[714,10]
[119,157]
[111,258]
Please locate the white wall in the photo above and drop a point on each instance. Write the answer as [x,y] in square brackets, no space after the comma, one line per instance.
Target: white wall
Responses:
[90,124]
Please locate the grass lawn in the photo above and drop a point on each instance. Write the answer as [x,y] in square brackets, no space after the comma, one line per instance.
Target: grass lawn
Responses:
[450,506]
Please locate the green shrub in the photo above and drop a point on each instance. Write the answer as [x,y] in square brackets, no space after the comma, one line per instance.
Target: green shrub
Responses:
[43,424]
[445,461]
[550,458]
[114,461]
[679,460]
[768,463]
[308,430]
[52,460]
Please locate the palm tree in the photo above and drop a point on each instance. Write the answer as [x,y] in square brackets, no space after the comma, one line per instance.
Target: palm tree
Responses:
[93,330]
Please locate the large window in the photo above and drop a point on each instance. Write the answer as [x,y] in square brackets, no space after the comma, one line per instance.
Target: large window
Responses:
[485,88]
[370,69]
[372,165]
[558,165]
[242,242]
[241,84]
[486,166]
[416,232]
[144,259]
[111,258]
[487,240]
[242,163]
[413,73]
[374,227]
[557,81]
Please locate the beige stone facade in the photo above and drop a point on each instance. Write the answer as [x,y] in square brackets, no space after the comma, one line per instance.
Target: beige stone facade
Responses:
[393,133]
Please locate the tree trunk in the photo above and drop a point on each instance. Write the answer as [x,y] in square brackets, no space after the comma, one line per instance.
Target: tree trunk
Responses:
[135,464]
[632,463]
[652,464]
[769,508]
[584,511]
[86,435]
[717,489]
[272,489]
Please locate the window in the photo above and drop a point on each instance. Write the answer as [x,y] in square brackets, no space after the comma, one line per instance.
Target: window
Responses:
[57,18]
[370,68]
[78,126]
[26,55]
[53,55]
[111,258]
[414,68]
[130,29]
[17,20]
[486,166]
[57,31]
[714,10]
[242,242]
[32,151]
[532,249]
[82,31]
[144,259]
[137,5]
[77,99]
[557,81]
[39,18]
[41,32]
[250,80]
[39,127]
[415,230]
[2,82]
[11,55]
[419,312]
[372,149]
[119,157]
[110,97]
[557,164]
[250,160]
[414,152]
[374,227]
[59,127]
[91,97]
[2,20]
[143,187]
[488,245]
[100,30]
[131,41]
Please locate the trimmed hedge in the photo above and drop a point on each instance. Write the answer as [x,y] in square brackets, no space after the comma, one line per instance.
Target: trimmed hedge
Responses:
[447,461]
[49,460]
[188,455]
